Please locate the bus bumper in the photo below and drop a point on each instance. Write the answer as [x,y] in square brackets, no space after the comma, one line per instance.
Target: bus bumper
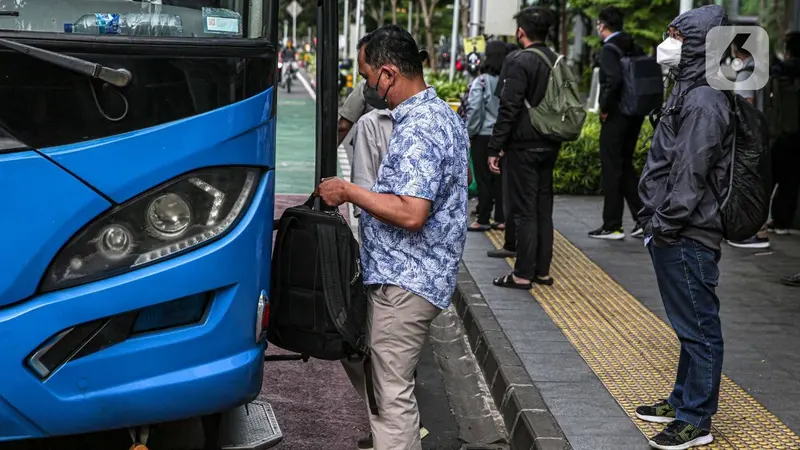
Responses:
[205,367]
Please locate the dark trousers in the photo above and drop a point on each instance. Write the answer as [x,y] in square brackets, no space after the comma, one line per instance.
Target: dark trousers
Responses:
[785,166]
[687,276]
[490,188]
[528,189]
[511,233]
[620,182]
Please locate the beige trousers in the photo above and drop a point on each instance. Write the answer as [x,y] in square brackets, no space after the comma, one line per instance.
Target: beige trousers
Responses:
[398,323]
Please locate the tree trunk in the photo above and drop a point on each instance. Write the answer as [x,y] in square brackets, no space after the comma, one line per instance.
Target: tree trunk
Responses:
[427,17]
[393,3]
[416,22]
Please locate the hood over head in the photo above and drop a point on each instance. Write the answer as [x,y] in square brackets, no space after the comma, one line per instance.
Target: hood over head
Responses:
[695,25]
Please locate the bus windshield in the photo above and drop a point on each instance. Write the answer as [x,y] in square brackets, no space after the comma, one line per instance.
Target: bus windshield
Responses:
[156,18]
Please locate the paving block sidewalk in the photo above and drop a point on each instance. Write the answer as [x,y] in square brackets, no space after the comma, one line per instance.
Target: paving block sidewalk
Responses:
[597,343]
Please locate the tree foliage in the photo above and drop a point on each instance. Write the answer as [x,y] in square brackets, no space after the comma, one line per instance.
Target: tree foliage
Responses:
[645,20]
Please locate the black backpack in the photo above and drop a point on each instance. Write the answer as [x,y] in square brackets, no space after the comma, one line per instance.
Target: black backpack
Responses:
[318,302]
[782,106]
[642,84]
[745,207]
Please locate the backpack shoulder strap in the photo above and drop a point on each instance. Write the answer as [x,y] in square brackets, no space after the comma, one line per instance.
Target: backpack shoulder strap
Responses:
[337,295]
[616,48]
[542,55]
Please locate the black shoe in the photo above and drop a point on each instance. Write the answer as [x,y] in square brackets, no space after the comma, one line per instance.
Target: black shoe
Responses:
[365,443]
[792,280]
[543,281]
[613,235]
[680,435]
[755,242]
[638,232]
[501,253]
[661,412]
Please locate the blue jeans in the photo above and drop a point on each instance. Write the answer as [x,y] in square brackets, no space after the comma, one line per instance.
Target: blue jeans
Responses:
[687,275]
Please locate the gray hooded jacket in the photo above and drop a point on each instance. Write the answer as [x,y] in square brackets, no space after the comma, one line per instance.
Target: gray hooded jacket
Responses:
[690,154]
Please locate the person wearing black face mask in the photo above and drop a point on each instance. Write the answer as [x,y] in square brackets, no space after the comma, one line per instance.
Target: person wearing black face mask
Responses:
[619,133]
[528,158]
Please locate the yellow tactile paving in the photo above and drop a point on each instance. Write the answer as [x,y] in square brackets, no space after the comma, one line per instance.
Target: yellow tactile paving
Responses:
[635,354]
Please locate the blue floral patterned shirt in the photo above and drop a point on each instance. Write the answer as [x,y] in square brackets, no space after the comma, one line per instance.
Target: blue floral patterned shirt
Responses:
[427,158]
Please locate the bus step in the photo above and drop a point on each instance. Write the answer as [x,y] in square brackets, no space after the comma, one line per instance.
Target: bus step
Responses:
[250,427]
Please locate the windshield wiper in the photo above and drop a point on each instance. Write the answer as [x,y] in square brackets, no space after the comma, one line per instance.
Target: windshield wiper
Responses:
[116,77]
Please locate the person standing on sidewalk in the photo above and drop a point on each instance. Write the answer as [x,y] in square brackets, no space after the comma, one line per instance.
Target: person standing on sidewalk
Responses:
[509,248]
[528,158]
[761,239]
[482,111]
[785,156]
[688,161]
[414,223]
[619,133]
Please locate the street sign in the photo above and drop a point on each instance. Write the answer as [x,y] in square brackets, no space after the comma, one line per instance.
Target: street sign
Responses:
[294,9]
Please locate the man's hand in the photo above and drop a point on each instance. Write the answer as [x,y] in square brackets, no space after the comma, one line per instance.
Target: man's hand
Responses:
[333,191]
[494,164]
[603,116]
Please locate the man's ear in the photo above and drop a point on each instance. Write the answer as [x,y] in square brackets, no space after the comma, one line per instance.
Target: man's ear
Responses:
[390,72]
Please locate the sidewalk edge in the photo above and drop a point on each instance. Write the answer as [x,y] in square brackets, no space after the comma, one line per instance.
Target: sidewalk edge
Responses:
[530,424]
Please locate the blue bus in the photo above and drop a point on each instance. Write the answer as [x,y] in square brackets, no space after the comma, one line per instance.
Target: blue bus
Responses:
[137,147]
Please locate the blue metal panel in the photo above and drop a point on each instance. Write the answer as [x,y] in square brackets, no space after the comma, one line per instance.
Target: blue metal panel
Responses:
[125,165]
[42,207]
[157,377]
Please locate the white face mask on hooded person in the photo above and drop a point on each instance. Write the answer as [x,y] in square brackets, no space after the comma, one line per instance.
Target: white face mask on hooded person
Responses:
[668,53]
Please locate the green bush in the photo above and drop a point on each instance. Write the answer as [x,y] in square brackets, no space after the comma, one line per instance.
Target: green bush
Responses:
[578,168]
[447,90]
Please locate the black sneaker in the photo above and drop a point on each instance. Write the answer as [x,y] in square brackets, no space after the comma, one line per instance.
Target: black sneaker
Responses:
[661,412]
[792,280]
[753,242]
[638,232]
[602,233]
[680,435]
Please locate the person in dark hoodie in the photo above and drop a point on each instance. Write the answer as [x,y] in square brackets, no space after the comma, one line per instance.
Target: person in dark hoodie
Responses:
[528,157]
[785,157]
[619,133]
[687,162]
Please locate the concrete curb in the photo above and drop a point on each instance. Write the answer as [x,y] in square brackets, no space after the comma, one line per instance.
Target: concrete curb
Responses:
[530,424]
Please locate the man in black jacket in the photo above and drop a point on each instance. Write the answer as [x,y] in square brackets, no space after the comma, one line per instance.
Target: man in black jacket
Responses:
[528,159]
[619,132]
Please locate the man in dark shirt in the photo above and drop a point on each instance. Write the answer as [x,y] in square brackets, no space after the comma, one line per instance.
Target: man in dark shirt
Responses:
[528,158]
[619,133]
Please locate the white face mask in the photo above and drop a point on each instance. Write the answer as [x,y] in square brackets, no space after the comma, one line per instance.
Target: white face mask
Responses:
[668,53]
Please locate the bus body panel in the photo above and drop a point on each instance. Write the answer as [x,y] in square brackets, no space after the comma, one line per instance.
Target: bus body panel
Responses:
[179,373]
[125,165]
[37,219]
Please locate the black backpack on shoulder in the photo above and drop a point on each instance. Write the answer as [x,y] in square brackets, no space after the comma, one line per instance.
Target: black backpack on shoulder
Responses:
[318,302]
[744,208]
[642,84]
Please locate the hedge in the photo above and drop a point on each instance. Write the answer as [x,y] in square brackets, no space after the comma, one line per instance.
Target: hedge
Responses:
[578,168]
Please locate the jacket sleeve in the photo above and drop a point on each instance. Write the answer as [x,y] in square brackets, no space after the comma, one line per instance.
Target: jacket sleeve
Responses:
[475,108]
[699,140]
[513,93]
[611,66]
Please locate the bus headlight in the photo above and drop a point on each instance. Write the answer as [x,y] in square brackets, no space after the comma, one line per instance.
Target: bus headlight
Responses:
[183,214]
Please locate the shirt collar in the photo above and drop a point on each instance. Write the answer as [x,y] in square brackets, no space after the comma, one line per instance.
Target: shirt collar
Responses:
[610,36]
[402,110]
